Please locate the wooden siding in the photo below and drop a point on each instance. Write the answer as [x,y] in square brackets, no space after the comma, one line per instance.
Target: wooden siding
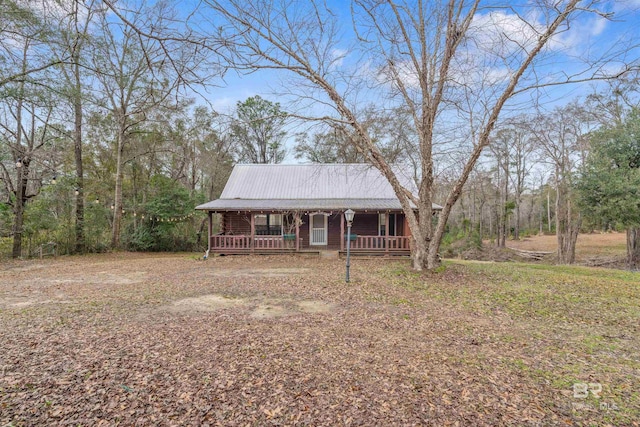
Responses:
[333,222]
[236,223]
[365,224]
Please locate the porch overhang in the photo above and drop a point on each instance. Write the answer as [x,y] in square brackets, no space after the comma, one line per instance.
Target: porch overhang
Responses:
[227,205]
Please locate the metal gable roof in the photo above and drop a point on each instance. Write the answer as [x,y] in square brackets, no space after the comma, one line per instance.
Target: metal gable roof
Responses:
[310,181]
[309,186]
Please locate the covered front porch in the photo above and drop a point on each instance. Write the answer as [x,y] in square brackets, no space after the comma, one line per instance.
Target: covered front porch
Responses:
[261,232]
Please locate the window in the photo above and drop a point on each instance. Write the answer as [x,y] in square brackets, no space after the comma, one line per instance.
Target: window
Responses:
[268,224]
[382,220]
[318,221]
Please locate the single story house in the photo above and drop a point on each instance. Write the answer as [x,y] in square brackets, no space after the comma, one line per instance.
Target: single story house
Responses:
[266,208]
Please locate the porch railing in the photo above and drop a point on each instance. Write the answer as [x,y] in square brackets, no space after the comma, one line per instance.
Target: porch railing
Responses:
[231,243]
[381,243]
[243,243]
[273,243]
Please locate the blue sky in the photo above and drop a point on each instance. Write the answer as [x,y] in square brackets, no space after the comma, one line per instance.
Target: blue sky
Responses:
[589,35]
[592,34]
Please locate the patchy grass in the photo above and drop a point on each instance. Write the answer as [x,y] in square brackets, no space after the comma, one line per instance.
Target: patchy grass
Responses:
[539,291]
[166,339]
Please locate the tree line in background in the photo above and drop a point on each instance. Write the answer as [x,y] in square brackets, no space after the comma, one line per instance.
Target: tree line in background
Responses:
[102,145]
[571,170]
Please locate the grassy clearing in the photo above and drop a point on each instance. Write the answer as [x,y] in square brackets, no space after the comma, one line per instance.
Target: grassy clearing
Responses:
[545,292]
[168,339]
[581,324]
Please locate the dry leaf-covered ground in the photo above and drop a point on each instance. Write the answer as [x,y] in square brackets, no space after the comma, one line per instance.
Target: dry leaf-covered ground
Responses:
[135,339]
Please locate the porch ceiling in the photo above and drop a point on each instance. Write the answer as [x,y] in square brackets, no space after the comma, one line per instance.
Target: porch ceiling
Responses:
[302,204]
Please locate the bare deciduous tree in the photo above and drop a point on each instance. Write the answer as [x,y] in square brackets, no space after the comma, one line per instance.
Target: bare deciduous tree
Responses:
[133,81]
[25,129]
[72,41]
[447,63]
[562,136]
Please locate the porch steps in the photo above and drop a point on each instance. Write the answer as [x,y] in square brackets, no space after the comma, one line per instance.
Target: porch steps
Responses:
[330,254]
[265,252]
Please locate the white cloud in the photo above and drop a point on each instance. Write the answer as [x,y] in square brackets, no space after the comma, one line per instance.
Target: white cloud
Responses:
[580,34]
[503,33]
[507,33]
[406,73]
[338,56]
[496,44]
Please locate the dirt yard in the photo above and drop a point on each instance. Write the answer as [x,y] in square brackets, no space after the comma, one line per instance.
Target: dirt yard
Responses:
[135,339]
[589,247]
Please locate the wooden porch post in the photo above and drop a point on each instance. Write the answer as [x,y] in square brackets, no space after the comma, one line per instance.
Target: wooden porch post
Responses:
[297,220]
[253,231]
[210,229]
[342,231]
[386,232]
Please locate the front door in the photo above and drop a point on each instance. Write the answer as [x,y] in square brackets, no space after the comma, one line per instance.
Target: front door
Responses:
[318,229]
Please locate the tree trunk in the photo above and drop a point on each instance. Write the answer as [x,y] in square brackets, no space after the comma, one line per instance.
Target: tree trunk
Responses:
[498,218]
[541,232]
[502,223]
[433,256]
[418,255]
[18,209]
[567,244]
[633,248]
[481,220]
[77,139]
[117,203]
[567,227]
[504,214]
[490,223]
[21,185]
[425,255]
[549,209]
[516,230]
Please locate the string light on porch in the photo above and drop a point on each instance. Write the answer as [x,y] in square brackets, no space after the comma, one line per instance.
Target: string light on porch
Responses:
[175,219]
[27,161]
[137,215]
